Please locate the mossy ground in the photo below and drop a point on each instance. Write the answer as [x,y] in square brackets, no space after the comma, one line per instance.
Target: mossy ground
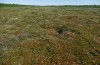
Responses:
[49,36]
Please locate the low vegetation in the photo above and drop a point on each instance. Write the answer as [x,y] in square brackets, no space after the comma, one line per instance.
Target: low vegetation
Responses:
[34,35]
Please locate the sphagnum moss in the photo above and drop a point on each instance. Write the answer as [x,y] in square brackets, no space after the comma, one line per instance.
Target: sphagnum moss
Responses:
[49,35]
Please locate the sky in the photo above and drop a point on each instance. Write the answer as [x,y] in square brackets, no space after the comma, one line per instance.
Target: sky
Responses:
[53,2]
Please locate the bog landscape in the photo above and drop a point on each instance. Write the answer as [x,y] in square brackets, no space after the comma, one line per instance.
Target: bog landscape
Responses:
[49,35]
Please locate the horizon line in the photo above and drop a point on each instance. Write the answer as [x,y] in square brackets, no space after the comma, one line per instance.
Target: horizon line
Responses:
[52,5]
